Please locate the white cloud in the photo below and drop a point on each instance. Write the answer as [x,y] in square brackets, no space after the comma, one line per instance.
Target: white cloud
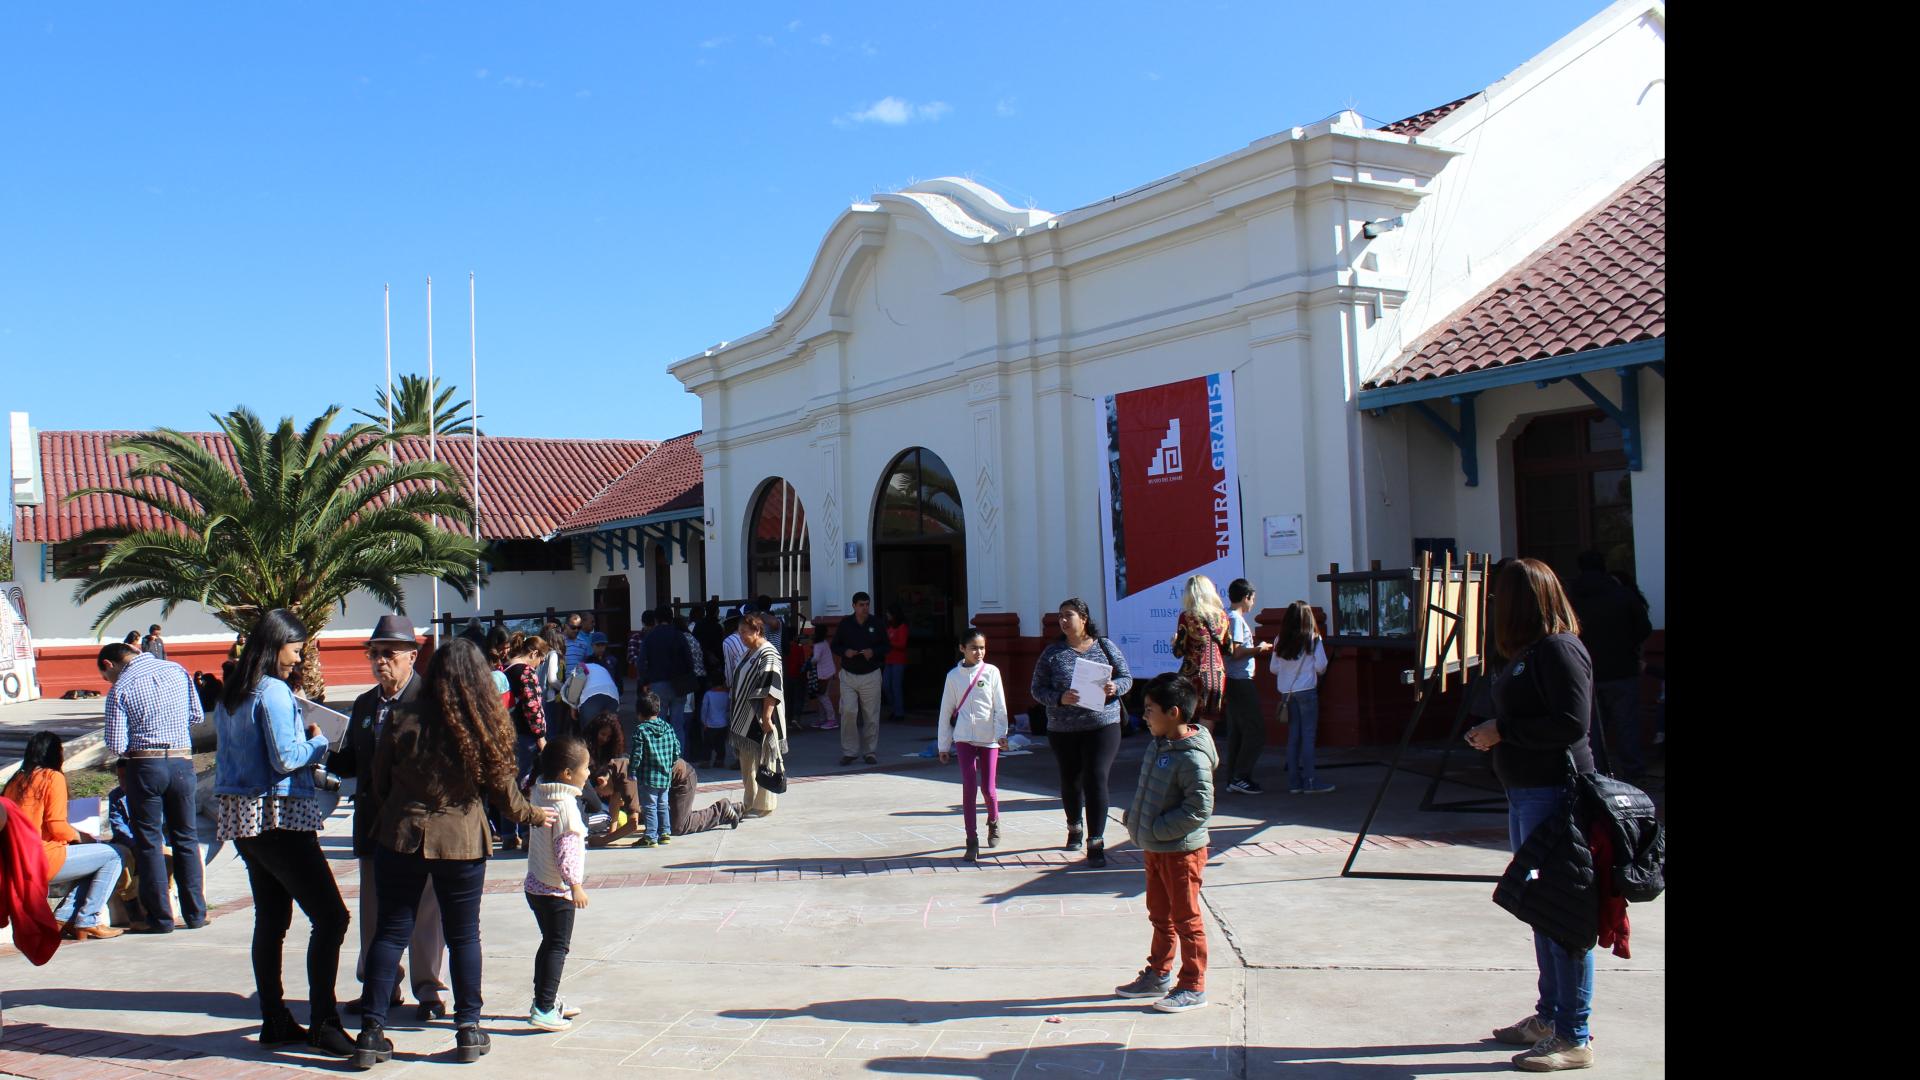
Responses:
[823,39]
[1153,76]
[1006,106]
[764,39]
[715,42]
[583,93]
[793,26]
[480,73]
[894,112]
[521,82]
[867,49]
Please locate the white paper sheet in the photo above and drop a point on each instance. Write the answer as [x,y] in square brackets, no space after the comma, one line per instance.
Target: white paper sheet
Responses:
[1090,679]
[332,723]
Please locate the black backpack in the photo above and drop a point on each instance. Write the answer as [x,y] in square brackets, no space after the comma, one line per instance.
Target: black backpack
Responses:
[1639,840]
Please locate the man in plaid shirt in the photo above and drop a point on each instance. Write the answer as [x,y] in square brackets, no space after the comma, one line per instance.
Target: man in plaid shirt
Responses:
[151,707]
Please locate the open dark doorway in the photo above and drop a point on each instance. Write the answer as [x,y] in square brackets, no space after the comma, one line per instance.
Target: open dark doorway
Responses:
[1572,491]
[662,576]
[920,564]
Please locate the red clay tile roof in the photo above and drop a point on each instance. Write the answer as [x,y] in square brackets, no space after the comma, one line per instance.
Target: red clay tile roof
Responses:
[528,485]
[669,479]
[1420,122]
[1602,282]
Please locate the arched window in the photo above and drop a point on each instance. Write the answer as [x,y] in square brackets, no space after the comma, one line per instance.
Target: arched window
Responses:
[919,499]
[779,555]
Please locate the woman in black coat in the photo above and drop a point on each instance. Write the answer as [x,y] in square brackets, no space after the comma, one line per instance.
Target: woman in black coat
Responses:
[1543,701]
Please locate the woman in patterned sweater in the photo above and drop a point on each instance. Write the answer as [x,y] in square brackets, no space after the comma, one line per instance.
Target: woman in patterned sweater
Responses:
[1085,735]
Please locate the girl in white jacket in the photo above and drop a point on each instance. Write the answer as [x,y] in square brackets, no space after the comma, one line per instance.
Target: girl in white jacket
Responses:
[973,721]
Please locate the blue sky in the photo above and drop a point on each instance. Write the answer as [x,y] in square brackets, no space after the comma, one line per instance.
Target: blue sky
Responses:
[202,201]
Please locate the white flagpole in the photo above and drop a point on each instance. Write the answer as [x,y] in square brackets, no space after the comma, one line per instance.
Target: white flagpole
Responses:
[473,360]
[432,452]
[386,304]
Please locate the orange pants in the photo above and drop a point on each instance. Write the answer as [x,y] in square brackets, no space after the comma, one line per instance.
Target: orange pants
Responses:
[1173,906]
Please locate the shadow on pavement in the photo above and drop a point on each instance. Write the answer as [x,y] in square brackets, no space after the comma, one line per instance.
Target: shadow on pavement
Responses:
[1109,1058]
[894,1011]
[199,1003]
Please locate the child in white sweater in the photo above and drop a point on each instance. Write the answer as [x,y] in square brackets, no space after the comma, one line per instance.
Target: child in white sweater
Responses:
[973,722]
[556,875]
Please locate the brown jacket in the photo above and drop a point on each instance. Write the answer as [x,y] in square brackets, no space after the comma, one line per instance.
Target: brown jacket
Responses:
[428,803]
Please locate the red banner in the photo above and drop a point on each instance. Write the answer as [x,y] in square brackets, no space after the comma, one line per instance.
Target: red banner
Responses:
[1169,482]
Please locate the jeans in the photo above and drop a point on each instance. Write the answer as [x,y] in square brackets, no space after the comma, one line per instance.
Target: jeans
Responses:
[979,770]
[656,816]
[97,869]
[894,689]
[160,797]
[1085,758]
[457,882]
[1616,705]
[286,867]
[554,916]
[526,754]
[1246,729]
[426,951]
[1566,981]
[1303,722]
[672,709]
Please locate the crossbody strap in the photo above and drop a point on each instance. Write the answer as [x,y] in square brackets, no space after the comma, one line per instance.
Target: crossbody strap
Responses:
[963,695]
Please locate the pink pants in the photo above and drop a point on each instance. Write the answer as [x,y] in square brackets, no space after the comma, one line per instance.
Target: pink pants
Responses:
[979,770]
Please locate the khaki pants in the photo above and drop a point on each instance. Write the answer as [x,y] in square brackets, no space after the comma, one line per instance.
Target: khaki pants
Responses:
[859,713]
[755,799]
[427,951]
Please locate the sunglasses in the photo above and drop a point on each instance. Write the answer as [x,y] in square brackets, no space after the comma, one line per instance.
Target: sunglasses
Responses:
[384,654]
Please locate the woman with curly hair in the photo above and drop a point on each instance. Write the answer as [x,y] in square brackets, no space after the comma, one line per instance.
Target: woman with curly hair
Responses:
[436,766]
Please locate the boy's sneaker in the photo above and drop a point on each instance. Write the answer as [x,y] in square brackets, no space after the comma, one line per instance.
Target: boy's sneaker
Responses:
[1149,983]
[1554,1053]
[644,841]
[1316,788]
[664,839]
[1245,787]
[549,1019]
[1182,1001]
[1527,1032]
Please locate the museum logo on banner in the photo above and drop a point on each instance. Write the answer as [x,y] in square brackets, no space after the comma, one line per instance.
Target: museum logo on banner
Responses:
[1172,503]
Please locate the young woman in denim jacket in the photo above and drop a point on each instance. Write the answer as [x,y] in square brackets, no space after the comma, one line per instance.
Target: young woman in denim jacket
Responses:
[265,804]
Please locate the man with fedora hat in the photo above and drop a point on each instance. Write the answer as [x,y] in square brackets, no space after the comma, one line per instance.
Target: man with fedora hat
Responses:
[391,651]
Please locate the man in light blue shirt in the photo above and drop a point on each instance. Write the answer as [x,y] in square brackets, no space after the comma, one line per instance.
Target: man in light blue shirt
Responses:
[1246,729]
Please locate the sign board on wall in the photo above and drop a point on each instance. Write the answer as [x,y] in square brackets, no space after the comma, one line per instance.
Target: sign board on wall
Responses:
[17,681]
[1283,534]
[1171,508]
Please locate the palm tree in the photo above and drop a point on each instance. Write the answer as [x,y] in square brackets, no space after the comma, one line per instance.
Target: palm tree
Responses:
[416,404]
[301,521]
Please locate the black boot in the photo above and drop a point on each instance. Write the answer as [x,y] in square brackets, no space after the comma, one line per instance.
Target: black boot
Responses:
[973,849]
[993,832]
[280,1029]
[470,1043]
[1074,833]
[330,1038]
[372,1047]
[1096,853]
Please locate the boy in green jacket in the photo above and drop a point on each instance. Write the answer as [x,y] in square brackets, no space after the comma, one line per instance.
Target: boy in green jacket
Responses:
[1168,822]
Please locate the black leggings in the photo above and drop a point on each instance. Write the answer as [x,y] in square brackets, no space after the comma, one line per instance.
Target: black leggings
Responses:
[1085,758]
[286,867]
[554,914]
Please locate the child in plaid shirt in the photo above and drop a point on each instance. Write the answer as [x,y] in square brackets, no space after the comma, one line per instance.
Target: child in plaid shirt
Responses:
[655,748]
[556,875]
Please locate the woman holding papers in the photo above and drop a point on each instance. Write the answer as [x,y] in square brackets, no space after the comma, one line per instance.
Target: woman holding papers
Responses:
[1080,680]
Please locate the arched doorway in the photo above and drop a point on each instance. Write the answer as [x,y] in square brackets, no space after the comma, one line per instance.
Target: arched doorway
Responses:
[920,563]
[779,553]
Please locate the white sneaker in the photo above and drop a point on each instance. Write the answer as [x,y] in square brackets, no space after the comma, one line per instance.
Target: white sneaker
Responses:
[549,1021]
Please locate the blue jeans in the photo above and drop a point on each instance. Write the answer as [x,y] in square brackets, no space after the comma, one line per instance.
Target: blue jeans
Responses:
[655,814]
[457,884]
[1303,723]
[97,869]
[893,687]
[1566,981]
[160,797]
[526,754]
[672,709]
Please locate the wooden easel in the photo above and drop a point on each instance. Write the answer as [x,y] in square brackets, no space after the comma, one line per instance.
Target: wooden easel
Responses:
[1427,683]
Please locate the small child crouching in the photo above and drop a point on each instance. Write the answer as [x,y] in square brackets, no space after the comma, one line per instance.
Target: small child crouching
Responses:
[556,875]
[1168,822]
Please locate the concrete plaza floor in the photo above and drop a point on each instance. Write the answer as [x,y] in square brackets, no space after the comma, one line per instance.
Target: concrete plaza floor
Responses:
[842,937]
